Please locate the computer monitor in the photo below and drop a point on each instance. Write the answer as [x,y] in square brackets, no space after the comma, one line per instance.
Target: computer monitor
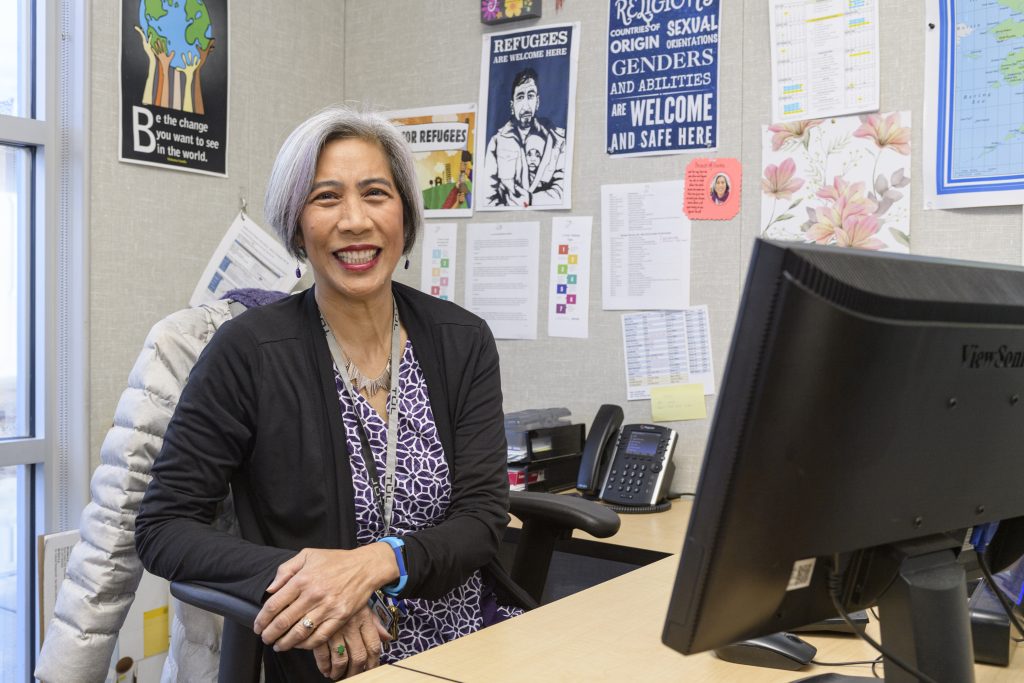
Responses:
[872,409]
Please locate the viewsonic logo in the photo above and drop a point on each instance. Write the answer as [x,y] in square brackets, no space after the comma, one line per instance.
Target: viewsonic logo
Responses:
[974,357]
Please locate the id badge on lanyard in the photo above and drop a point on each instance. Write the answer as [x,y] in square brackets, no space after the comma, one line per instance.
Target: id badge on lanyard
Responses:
[384,497]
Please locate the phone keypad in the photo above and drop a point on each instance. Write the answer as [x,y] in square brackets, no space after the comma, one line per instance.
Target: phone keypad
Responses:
[633,478]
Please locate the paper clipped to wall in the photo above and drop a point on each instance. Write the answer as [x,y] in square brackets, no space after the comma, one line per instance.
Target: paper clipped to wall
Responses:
[713,188]
[501,276]
[678,402]
[824,58]
[569,281]
[439,260]
[645,242]
[666,348]
[246,257]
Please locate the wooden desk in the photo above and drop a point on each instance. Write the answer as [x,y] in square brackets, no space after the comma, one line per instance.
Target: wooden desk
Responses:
[612,632]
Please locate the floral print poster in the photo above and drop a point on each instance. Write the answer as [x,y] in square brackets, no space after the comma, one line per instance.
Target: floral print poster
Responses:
[843,181]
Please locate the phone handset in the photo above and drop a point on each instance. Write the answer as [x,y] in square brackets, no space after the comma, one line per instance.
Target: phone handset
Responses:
[597,450]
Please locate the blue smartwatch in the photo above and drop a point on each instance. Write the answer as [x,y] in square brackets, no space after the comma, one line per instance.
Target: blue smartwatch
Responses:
[398,545]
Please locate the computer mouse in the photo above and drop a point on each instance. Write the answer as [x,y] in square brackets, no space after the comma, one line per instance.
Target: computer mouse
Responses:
[775,651]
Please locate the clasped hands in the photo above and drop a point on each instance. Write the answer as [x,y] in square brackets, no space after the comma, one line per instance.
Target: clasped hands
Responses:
[319,602]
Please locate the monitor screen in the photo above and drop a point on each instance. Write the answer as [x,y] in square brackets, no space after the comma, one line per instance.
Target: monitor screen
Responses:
[872,408]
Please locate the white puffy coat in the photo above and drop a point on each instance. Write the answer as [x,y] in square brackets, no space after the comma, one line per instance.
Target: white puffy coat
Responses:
[103,570]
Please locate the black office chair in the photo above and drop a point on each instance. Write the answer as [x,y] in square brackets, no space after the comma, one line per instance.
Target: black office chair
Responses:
[546,518]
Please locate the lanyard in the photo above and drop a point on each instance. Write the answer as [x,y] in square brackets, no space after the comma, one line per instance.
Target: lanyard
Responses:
[385,499]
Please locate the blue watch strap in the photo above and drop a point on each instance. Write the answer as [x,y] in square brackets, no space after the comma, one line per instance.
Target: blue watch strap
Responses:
[397,545]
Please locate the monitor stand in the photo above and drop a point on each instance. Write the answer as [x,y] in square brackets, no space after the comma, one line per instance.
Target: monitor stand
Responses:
[834,625]
[924,619]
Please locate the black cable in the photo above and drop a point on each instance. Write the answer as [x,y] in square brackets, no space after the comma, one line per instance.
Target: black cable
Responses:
[834,581]
[866,661]
[990,580]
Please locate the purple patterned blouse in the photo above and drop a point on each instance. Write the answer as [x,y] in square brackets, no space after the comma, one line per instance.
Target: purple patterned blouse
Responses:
[422,494]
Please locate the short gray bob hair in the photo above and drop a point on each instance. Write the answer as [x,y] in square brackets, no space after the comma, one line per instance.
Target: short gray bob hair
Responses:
[295,167]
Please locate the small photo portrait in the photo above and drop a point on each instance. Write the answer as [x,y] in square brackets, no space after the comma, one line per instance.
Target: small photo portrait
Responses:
[720,186]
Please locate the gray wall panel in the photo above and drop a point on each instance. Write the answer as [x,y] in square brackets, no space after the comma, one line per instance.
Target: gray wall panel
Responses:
[288,61]
[434,58]
[153,230]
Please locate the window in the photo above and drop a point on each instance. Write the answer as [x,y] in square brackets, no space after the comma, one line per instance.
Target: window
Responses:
[15,413]
[43,71]
[15,65]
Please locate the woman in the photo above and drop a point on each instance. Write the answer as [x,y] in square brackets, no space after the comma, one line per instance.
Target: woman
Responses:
[406,443]
[720,189]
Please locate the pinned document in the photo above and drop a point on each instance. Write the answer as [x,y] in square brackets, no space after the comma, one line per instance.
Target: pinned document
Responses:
[678,402]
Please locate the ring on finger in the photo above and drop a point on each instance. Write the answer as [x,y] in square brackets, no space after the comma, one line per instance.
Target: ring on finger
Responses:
[307,623]
[340,649]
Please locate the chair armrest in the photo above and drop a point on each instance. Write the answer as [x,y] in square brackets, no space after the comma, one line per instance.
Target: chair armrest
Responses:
[567,512]
[212,600]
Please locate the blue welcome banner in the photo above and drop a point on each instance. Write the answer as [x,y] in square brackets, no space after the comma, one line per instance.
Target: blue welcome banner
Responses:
[662,76]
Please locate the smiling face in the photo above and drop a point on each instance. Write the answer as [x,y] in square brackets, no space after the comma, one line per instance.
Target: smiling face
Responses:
[352,223]
[525,102]
[721,185]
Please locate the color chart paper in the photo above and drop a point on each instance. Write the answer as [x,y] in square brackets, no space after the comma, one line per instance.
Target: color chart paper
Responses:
[569,284]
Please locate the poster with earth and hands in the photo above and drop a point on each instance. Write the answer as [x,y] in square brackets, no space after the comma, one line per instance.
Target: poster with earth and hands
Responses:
[174,84]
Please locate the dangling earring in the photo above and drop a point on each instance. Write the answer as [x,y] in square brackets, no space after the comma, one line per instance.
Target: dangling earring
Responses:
[407,263]
[298,270]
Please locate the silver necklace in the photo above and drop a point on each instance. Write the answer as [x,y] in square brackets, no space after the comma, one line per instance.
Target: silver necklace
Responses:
[360,381]
[363,383]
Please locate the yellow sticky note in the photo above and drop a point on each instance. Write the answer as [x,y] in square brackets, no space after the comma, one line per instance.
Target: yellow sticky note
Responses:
[678,402]
[155,631]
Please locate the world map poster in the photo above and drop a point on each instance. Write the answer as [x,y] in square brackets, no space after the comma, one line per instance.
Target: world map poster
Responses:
[974,103]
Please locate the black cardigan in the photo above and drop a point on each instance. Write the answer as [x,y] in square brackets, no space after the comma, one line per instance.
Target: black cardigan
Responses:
[260,412]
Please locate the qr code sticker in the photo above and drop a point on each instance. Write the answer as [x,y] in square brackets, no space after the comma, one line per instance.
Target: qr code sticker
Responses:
[801,575]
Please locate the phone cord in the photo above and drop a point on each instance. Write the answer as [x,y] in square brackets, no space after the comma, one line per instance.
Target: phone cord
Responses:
[640,509]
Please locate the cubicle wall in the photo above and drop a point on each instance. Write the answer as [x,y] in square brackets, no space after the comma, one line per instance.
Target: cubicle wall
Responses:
[153,230]
[425,53]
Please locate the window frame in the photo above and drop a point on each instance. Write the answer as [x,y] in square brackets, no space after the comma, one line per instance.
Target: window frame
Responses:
[54,459]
